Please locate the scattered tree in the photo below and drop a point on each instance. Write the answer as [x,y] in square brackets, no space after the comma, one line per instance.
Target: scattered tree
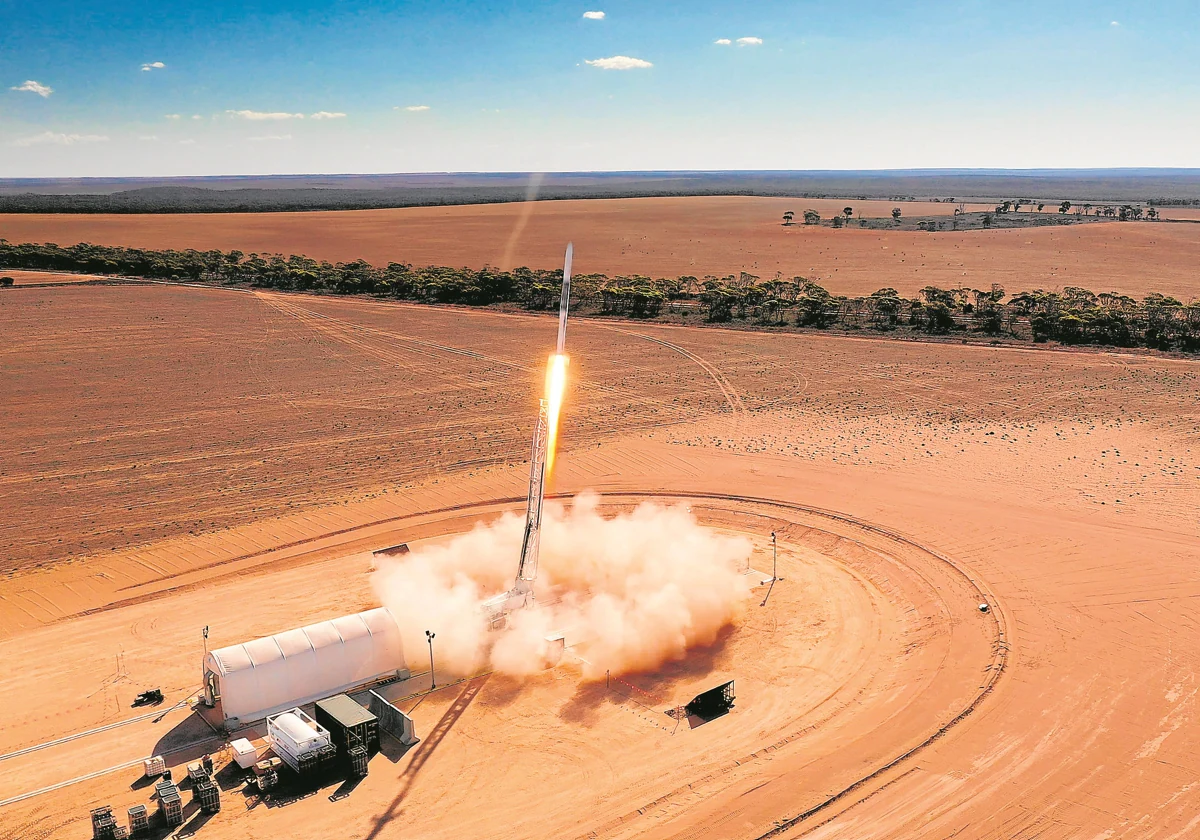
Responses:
[896,214]
[788,216]
[811,217]
[1064,207]
[938,320]
[884,306]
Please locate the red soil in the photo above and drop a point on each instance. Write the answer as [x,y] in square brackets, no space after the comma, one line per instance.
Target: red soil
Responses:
[299,432]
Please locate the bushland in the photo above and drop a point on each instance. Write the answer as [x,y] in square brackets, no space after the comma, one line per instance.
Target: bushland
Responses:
[1071,315]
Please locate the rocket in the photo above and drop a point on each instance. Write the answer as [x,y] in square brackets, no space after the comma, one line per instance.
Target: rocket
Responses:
[543,445]
[564,301]
[521,595]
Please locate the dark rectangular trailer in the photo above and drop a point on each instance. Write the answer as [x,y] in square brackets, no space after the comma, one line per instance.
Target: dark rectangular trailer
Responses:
[349,725]
[712,703]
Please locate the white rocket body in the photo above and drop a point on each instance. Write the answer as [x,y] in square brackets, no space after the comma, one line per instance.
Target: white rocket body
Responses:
[564,300]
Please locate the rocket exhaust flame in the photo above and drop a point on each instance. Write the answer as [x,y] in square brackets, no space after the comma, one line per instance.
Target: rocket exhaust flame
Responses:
[556,367]
[556,386]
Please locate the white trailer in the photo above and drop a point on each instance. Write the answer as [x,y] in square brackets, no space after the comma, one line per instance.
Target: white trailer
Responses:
[294,736]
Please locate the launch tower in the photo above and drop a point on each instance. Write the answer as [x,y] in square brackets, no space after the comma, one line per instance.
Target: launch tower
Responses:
[521,595]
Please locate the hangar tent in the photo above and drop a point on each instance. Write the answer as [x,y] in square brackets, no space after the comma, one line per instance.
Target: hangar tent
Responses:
[258,678]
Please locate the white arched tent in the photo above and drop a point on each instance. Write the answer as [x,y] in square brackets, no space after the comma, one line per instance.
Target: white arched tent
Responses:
[258,678]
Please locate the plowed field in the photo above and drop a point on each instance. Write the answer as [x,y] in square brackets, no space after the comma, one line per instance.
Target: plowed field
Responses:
[664,237]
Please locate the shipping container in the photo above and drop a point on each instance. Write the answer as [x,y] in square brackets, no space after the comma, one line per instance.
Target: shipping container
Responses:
[349,725]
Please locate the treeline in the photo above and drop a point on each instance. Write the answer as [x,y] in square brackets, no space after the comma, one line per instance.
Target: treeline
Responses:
[1071,316]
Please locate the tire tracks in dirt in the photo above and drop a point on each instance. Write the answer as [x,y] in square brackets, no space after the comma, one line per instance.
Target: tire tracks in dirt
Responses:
[732,398]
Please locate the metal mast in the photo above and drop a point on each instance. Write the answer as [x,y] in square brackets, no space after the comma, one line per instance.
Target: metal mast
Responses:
[527,570]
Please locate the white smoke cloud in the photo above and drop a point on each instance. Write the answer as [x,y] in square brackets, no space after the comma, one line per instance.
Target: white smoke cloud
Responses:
[630,591]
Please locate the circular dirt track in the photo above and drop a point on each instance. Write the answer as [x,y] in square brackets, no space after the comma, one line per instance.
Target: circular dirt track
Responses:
[870,647]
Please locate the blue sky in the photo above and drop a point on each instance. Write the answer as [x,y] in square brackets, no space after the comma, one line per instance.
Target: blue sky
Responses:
[285,87]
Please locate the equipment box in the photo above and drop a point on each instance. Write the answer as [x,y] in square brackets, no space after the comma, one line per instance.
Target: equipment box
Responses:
[244,753]
[349,725]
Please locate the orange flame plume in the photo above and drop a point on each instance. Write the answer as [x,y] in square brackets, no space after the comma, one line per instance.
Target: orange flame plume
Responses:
[556,386]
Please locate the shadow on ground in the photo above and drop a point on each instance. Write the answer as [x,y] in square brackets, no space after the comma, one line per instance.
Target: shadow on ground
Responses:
[425,750]
[651,690]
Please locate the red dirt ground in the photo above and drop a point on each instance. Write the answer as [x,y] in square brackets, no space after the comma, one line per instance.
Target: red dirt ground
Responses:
[299,432]
[43,278]
[676,236]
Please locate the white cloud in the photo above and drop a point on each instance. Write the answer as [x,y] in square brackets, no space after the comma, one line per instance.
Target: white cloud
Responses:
[619,62]
[148,138]
[35,87]
[171,116]
[750,41]
[1114,23]
[50,138]
[412,108]
[266,115]
[188,142]
[593,15]
[266,138]
[723,42]
[154,65]
[328,115]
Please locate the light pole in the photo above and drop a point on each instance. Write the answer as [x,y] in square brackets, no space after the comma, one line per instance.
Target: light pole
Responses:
[774,569]
[432,679]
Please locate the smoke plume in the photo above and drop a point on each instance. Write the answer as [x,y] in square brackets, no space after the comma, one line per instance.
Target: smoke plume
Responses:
[630,591]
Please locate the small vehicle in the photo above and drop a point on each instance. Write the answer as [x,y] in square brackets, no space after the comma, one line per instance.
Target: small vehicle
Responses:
[149,698]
